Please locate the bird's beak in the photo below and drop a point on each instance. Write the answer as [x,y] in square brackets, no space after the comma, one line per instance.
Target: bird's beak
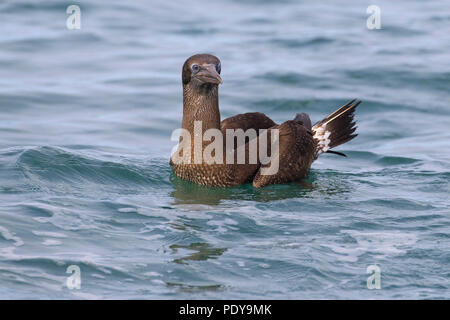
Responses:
[209,74]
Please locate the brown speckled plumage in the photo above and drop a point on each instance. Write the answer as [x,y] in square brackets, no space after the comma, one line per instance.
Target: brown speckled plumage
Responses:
[299,143]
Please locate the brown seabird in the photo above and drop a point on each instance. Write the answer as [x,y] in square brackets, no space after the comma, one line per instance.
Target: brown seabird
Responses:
[299,142]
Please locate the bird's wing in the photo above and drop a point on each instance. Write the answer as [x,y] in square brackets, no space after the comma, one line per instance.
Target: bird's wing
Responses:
[295,155]
[244,173]
[245,121]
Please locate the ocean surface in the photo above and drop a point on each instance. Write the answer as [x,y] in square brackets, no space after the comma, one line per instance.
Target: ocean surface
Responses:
[86,118]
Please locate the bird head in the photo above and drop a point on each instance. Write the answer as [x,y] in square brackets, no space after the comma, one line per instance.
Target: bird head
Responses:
[202,69]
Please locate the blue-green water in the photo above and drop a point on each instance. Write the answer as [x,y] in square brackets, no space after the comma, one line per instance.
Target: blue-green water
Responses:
[85,123]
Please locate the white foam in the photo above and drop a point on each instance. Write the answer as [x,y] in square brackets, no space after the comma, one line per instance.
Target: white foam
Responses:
[157,281]
[7,235]
[50,234]
[152,274]
[383,244]
[127,210]
[51,242]
[85,295]
[240,263]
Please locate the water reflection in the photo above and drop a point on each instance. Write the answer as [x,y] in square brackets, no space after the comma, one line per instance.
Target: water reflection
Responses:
[318,184]
[193,288]
[203,252]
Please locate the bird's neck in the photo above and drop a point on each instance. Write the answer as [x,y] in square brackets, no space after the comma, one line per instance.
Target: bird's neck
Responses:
[201,104]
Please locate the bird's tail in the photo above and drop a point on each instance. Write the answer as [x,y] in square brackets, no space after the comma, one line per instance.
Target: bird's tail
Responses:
[336,129]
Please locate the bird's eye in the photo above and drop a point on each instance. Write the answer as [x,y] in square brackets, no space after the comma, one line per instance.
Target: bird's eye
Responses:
[195,68]
[218,67]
